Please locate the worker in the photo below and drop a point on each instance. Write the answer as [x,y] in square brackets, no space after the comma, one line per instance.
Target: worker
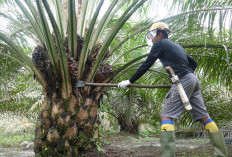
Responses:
[173,55]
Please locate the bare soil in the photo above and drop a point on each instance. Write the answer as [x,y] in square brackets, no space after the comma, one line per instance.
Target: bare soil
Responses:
[127,145]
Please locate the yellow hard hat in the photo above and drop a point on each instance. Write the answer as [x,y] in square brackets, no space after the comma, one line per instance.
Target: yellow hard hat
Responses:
[159,26]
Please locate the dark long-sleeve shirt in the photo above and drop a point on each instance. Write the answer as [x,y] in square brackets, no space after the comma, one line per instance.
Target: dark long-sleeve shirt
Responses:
[170,54]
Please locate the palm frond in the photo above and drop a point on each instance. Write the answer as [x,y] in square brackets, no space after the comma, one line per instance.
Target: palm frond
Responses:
[128,37]
[50,45]
[81,19]
[34,23]
[131,50]
[66,83]
[84,53]
[35,15]
[22,57]
[125,16]
[20,26]
[61,18]
[101,24]
[110,17]
[72,29]
[14,58]
[124,67]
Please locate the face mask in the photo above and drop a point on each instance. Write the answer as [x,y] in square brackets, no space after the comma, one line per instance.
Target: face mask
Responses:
[150,36]
[149,43]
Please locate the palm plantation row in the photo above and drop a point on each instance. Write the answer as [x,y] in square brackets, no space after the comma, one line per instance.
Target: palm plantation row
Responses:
[75,41]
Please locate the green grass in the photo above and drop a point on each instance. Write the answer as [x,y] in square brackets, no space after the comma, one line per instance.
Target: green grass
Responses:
[16,127]
[142,139]
[9,140]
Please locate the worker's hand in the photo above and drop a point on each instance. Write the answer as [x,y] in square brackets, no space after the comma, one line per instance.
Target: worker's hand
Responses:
[124,84]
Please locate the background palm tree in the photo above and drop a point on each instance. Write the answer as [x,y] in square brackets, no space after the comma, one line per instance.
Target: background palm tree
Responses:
[68,123]
[203,28]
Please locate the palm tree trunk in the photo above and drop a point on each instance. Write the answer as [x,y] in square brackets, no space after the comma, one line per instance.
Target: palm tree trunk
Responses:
[67,127]
[131,126]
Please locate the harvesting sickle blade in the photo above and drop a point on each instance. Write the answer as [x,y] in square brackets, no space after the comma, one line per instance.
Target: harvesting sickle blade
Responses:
[80,83]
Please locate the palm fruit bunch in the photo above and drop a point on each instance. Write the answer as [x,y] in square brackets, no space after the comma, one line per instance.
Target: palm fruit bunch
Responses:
[73,69]
[40,58]
[42,63]
[80,41]
[104,71]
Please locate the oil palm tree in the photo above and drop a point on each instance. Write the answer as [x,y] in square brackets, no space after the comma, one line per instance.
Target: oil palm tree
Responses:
[67,50]
[74,45]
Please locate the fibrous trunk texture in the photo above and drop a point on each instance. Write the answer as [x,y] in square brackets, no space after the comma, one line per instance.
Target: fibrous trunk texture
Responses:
[68,127]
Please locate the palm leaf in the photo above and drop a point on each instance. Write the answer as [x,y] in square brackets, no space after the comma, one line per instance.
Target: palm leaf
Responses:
[32,21]
[66,84]
[60,18]
[49,40]
[84,52]
[23,58]
[111,16]
[128,64]
[72,29]
[14,58]
[22,27]
[131,50]
[102,23]
[81,21]
[126,15]
[35,14]
[129,36]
